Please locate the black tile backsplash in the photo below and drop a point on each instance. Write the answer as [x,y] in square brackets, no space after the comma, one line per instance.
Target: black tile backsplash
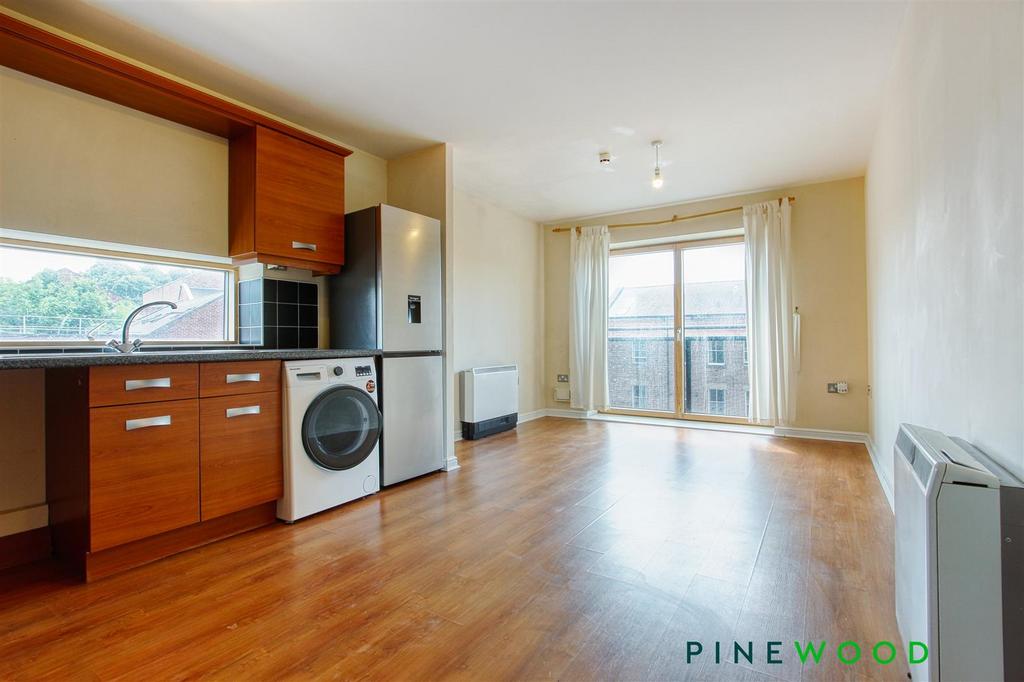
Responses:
[269,289]
[287,337]
[287,292]
[270,313]
[308,315]
[270,337]
[307,293]
[308,337]
[278,313]
[287,314]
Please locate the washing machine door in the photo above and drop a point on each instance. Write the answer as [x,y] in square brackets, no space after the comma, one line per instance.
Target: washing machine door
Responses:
[341,427]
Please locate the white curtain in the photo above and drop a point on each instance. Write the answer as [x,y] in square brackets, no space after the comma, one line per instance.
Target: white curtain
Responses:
[588,335]
[771,317]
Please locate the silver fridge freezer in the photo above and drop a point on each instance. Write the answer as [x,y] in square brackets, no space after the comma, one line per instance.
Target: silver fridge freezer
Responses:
[388,298]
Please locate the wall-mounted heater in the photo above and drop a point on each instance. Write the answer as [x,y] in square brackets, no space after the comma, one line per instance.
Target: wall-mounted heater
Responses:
[490,400]
[948,558]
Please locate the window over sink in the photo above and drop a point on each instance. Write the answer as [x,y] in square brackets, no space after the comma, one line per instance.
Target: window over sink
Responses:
[53,297]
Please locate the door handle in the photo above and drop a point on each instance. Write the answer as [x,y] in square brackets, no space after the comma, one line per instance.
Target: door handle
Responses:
[237,378]
[136,384]
[239,411]
[146,422]
[306,246]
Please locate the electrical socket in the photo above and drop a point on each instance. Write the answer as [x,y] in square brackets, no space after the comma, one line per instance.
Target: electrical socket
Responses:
[562,378]
[837,387]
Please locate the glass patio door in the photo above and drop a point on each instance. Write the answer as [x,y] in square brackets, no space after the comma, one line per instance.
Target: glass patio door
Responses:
[677,335]
[642,324]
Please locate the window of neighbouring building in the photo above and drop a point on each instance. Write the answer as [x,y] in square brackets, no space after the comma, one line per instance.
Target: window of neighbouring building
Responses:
[639,351]
[716,351]
[639,396]
[49,296]
[716,400]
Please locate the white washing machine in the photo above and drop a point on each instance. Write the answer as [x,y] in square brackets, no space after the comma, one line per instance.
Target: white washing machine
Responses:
[331,432]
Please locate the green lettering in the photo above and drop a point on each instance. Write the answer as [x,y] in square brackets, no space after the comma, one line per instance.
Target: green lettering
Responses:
[845,645]
[773,653]
[815,653]
[693,649]
[910,652]
[747,654]
[879,659]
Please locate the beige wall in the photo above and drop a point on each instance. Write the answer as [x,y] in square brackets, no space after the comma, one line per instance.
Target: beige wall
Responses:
[944,233]
[828,286]
[422,182]
[500,299]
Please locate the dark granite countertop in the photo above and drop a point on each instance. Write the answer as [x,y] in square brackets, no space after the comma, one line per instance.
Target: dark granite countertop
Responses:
[54,360]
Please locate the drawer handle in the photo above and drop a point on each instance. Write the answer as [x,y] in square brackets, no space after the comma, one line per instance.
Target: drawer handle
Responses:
[240,411]
[146,422]
[136,384]
[305,246]
[238,378]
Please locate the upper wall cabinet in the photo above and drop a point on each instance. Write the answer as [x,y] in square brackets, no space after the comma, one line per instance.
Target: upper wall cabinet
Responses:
[287,203]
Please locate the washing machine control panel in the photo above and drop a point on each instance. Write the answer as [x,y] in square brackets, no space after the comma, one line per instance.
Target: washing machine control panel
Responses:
[364,370]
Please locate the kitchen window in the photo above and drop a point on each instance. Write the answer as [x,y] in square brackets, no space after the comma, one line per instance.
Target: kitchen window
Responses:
[53,297]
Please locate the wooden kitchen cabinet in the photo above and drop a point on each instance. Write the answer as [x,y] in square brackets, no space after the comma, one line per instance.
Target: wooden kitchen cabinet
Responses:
[132,478]
[240,442]
[143,470]
[286,201]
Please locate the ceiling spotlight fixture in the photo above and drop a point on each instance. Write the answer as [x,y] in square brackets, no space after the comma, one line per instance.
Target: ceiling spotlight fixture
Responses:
[605,159]
[657,181]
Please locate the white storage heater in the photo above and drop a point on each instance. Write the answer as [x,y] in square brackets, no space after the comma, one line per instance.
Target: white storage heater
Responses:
[948,560]
[490,400]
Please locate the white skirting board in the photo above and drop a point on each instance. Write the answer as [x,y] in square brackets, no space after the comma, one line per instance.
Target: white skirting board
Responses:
[21,520]
[879,473]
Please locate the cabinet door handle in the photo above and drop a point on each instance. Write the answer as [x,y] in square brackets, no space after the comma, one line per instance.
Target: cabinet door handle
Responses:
[136,384]
[146,422]
[306,246]
[239,411]
[238,378]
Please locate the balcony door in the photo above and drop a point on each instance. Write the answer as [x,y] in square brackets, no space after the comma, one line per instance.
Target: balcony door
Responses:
[677,331]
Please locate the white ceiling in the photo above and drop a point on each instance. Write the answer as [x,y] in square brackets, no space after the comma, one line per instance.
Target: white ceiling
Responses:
[744,95]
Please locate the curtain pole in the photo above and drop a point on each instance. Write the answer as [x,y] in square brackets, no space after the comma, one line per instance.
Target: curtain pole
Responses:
[673,219]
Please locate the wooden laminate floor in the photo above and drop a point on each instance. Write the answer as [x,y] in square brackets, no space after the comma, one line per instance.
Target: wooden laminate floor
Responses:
[569,549]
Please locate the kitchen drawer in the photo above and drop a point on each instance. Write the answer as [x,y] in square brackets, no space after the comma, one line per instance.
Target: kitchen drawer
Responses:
[234,378]
[126,384]
[240,446]
[143,470]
